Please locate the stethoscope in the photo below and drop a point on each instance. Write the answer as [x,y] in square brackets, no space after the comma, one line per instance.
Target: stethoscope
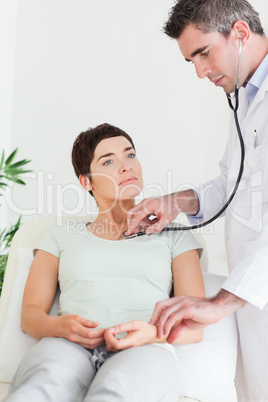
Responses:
[234,108]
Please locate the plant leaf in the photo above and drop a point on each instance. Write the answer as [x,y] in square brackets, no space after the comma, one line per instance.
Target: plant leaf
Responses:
[2,159]
[16,180]
[11,157]
[15,172]
[20,163]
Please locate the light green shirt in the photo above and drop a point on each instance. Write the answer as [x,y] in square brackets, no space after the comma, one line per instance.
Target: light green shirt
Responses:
[113,281]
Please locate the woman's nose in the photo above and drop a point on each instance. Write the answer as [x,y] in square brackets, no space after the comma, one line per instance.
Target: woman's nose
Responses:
[125,167]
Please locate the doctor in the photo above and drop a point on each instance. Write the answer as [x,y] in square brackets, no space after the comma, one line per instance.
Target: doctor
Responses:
[208,34]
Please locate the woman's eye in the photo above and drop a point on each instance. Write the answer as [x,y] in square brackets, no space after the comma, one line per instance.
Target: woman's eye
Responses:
[107,162]
[131,155]
[205,54]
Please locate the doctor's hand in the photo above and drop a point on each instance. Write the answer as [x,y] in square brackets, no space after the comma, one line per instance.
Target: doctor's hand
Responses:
[79,330]
[139,333]
[192,313]
[153,214]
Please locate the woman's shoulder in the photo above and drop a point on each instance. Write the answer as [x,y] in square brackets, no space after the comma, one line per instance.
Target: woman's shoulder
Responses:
[176,231]
[179,239]
[69,227]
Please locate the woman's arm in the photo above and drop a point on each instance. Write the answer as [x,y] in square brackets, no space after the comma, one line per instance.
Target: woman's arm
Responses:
[39,294]
[188,281]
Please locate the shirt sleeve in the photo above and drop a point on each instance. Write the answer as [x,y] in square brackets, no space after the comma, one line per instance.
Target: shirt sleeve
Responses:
[182,242]
[198,218]
[50,242]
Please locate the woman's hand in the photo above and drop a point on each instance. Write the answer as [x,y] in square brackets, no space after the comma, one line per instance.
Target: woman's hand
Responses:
[139,333]
[79,330]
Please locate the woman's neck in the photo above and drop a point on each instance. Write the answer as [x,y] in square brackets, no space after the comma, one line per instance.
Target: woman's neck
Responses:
[111,220]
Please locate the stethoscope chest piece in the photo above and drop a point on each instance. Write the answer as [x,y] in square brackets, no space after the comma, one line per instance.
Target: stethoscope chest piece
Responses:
[132,236]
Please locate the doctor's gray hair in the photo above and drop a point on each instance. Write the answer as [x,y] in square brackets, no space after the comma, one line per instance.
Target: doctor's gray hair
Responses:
[211,15]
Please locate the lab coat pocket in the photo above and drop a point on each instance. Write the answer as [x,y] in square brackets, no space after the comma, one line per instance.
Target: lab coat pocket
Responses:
[258,172]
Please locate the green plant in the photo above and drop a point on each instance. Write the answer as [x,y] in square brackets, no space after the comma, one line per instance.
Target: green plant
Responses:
[9,172]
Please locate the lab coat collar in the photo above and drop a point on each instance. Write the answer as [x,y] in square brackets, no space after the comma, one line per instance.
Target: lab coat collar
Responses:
[257,79]
[260,95]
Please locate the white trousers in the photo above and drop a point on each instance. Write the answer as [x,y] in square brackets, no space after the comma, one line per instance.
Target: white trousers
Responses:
[58,370]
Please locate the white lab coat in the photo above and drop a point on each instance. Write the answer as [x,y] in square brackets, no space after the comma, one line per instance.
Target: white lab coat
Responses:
[246,232]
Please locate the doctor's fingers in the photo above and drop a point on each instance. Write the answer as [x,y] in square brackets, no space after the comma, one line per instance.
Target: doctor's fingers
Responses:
[196,312]
[139,215]
[184,326]
[169,312]
[159,224]
[161,306]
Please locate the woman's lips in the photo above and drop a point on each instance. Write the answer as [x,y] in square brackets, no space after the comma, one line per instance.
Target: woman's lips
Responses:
[128,180]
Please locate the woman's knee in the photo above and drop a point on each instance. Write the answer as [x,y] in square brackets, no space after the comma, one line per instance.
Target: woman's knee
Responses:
[52,367]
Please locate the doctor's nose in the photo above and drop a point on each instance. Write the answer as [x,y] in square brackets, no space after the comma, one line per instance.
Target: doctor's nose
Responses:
[202,69]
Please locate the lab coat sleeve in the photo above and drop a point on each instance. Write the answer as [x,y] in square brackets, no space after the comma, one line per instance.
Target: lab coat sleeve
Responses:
[249,278]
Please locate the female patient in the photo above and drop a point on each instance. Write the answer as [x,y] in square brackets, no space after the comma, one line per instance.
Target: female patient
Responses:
[101,346]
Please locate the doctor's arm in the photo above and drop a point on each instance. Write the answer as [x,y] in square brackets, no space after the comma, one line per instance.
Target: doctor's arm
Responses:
[39,294]
[192,313]
[187,280]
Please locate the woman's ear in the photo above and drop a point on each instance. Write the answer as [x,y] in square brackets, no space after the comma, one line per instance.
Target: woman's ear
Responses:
[85,182]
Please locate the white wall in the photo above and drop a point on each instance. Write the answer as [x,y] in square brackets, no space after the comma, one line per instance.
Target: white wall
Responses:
[8,30]
[82,62]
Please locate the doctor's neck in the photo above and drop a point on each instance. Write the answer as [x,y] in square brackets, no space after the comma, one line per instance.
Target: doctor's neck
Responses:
[256,50]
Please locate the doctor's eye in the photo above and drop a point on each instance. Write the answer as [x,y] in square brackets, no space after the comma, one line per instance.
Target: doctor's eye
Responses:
[205,54]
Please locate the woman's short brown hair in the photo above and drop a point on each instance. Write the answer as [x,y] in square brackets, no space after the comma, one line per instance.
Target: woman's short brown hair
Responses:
[86,143]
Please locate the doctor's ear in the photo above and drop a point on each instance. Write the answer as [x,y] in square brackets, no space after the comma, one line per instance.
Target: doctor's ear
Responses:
[241,31]
[85,182]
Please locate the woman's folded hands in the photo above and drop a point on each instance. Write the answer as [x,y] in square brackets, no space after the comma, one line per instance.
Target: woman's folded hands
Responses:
[139,333]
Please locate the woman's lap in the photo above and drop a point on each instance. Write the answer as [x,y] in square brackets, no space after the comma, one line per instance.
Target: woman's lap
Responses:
[148,373]
[56,369]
